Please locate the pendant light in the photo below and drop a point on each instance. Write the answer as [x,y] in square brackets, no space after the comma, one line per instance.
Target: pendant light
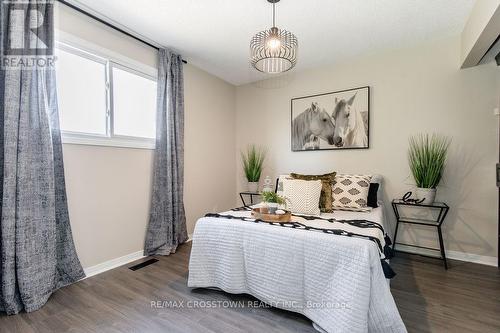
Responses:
[274,50]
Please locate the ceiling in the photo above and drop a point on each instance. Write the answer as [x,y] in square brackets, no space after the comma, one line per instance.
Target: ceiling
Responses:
[215,35]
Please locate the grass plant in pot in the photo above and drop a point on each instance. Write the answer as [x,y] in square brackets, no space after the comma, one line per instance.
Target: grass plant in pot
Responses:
[253,160]
[272,201]
[427,158]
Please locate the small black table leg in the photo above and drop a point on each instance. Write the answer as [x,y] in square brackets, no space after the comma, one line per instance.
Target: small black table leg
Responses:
[441,246]
[242,200]
[395,235]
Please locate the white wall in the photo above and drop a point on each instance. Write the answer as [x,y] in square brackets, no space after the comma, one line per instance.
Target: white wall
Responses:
[109,188]
[412,91]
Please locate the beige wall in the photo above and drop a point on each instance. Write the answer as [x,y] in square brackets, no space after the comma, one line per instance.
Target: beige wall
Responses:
[412,91]
[109,188]
[85,29]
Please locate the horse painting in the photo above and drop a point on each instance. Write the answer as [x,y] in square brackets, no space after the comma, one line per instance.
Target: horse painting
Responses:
[350,131]
[331,121]
[311,125]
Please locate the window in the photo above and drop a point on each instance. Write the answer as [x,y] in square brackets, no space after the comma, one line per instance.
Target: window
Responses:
[103,102]
[81,93]
[134,102]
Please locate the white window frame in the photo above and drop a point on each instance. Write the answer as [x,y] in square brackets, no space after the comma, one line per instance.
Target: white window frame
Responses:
[109,139]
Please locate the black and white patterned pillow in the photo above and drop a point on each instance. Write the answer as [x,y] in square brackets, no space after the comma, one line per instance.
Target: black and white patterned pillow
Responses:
[350,192]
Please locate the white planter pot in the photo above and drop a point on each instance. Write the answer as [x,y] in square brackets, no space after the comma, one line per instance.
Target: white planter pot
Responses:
[429,194]
[272,206]
[253,186]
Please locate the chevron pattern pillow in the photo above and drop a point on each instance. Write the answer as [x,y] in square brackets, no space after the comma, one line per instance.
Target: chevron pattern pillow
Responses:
[302,196]
[350,192]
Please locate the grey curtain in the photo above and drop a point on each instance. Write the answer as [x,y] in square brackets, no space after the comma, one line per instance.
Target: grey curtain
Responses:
[167,219]
[37,253]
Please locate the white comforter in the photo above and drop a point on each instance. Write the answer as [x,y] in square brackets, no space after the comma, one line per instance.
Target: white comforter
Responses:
[335,281]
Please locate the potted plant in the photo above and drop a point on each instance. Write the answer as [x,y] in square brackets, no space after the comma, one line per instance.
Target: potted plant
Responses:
[272,201]
[427,158]
[253,159]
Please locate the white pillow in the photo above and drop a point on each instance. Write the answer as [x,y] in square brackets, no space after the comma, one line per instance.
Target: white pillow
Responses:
[302,196]
[279,189]
[350,192]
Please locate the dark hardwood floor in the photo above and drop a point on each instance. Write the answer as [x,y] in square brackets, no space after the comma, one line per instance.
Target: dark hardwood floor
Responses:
[466,298]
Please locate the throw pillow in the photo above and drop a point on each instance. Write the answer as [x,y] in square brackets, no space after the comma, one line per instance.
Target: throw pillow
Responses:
[302,196]
[350,192]
[326,198]
[372,200]
[281,178]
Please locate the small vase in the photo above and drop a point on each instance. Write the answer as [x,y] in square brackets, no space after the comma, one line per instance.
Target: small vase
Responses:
[253,186]
[273,207]
[429,194]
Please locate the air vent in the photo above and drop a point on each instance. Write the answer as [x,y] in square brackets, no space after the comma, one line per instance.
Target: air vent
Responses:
[143,264]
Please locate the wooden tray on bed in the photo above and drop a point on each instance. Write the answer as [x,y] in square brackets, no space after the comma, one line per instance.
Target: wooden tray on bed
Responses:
[263,214]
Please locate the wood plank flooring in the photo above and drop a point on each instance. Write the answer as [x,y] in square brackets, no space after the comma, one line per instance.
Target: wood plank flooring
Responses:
[466,298]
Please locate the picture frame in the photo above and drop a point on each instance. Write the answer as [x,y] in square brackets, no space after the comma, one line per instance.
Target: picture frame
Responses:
[331,121]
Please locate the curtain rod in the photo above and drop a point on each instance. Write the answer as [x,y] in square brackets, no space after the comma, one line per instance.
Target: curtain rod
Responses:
[110,25]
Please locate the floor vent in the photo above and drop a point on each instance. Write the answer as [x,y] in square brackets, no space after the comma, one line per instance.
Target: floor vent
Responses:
[143,264]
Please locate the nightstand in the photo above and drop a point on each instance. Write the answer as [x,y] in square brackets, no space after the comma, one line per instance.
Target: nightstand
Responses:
[441,209]
[248,194]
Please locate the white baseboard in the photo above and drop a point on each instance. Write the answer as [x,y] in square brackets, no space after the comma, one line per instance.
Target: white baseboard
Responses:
[475,258]
[117,262]
[113,263]
[456,255]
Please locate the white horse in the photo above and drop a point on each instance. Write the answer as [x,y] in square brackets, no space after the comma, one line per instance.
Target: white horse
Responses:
[309,126]
[349,125]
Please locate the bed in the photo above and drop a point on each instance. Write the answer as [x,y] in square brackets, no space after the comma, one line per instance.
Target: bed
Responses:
[338,282]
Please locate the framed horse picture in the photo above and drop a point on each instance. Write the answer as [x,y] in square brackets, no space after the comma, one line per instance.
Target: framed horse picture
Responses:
[336,120]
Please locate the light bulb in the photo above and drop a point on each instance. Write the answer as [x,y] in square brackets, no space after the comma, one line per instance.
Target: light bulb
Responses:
[273,43]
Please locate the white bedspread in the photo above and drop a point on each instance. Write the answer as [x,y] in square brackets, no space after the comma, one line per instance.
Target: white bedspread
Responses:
[335,281]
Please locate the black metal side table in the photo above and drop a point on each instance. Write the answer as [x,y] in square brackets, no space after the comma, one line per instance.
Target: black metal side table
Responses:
[443,211]
[251,195]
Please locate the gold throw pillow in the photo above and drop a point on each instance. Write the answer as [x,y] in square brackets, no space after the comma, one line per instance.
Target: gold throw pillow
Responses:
[327,181]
